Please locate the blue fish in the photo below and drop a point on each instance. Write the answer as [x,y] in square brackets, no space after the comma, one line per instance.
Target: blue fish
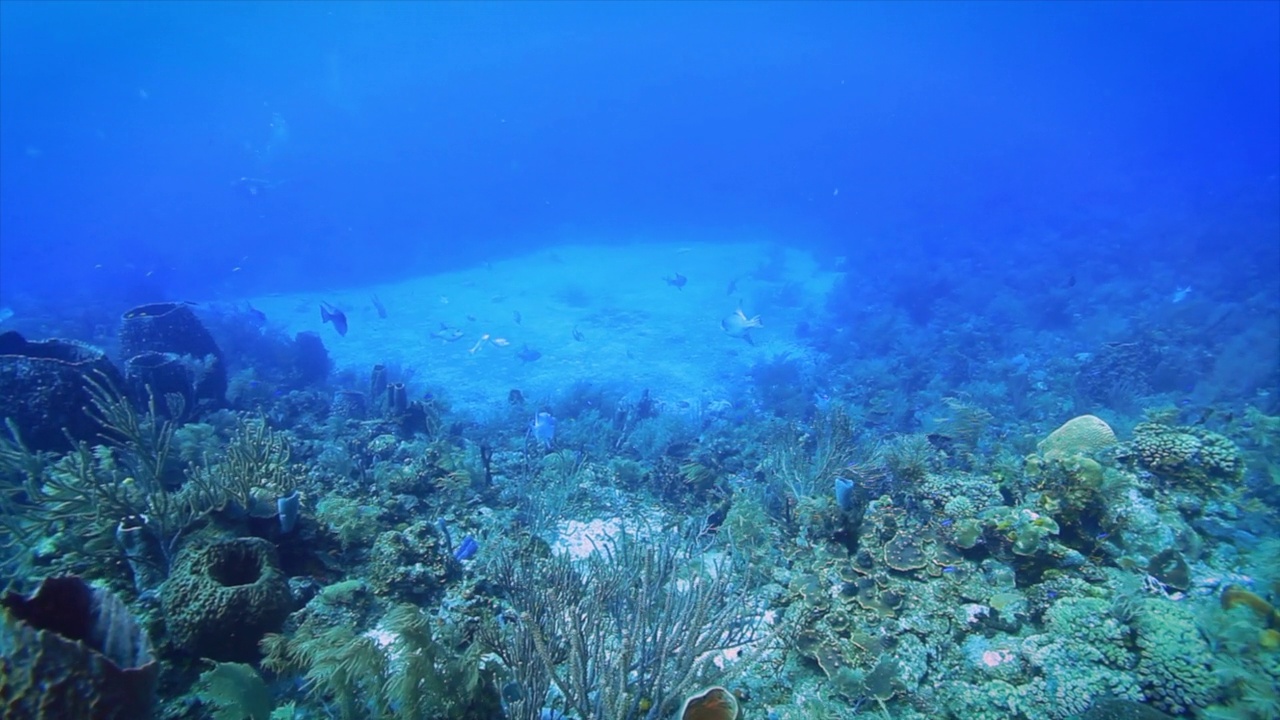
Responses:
[329,313]
[467,549]
[257,315]
[543,428]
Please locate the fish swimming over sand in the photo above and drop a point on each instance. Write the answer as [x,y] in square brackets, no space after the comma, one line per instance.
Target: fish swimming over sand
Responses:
[677,281]
[447,334]
[738,325]
[528,354]
[487,338]
[577,334]
[377,305]
[515,314]
[331,314]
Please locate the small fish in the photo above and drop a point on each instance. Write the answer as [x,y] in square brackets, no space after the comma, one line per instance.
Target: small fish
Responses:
[738,325]
[255,313]
[543,429]
[487,338]
[577,334]
[1181,294]
[515,314]
[377,305]
[733,286]
[677,280]
[528,354]
[447,334]
[471,318]
[329,313]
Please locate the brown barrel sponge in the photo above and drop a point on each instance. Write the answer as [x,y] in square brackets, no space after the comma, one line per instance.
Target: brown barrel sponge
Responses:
[73,651]
[221,598]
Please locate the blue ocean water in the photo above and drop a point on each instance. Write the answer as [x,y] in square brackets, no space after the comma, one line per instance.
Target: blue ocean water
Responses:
[537,278]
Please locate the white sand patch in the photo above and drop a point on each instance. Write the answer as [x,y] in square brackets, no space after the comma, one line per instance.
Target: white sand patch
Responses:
[579,539]
[637,330]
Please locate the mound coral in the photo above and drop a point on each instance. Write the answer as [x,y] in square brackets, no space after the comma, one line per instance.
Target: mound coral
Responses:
[413,564]
[1187,456]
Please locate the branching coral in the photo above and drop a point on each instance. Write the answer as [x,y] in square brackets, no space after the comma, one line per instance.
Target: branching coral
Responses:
[408,666]
[804,461]
[133,481]
[129,480]
[621,627]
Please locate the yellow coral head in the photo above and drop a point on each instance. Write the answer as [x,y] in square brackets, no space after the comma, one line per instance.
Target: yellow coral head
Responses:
[714,703]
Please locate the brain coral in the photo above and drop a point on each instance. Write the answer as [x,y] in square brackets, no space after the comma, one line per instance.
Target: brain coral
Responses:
[1173,659]
[220,599]
[1082,435]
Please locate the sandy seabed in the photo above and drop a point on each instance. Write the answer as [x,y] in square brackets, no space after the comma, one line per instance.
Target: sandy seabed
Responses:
[636,329]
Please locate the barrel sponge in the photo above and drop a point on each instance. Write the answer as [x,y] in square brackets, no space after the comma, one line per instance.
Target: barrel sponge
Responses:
[220,599]
[1083,435]
[74,651]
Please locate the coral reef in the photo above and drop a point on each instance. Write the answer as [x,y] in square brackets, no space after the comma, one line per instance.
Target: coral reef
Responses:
[412,564]
[894,522]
